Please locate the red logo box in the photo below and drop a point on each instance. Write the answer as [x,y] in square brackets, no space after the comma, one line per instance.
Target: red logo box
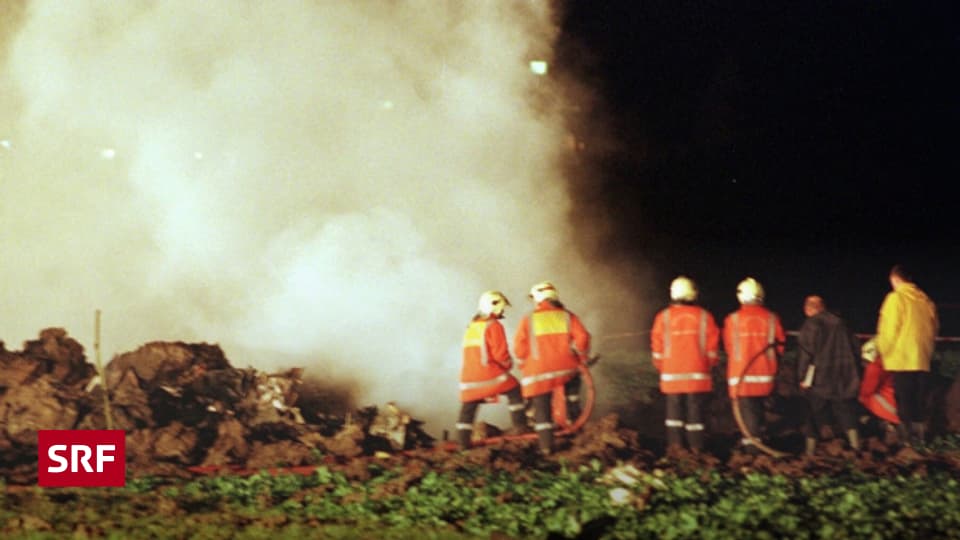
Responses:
[81,458]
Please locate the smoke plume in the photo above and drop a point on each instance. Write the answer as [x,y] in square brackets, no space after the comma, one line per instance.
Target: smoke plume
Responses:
[324,184]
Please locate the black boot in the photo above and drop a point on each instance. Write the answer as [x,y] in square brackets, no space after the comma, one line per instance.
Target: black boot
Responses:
[695,440]
[918,433]
[545,437]
[518,412]
[674,437]
[853,437]
[573,410]
[544,422]
[464,434]
[903,435]
[519,419]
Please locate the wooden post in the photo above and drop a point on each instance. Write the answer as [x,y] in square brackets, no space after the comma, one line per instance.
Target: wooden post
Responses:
[103,375]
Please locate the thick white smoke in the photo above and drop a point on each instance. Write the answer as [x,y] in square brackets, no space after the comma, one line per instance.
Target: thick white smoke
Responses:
[325,184]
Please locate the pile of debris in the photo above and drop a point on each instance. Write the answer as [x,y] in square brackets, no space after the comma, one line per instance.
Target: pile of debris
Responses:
[186,410]
[182,405]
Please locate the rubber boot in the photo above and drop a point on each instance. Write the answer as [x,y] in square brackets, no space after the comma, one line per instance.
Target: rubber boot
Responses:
[903,435]
[918,432]
[853,437]
[519,419]
[675,437]
[810,446]
[573,411]
[463,438]
[545,437]
[695,440]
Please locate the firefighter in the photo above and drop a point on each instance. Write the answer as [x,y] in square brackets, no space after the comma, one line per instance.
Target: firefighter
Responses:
[684,341]
[876,388]
[752,338]
[485,373]
[829,370]
[550,344]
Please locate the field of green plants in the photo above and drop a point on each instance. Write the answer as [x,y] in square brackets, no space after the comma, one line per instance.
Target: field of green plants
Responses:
[590,501]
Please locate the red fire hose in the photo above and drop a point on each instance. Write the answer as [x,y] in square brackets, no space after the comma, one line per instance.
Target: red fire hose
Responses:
[559,409]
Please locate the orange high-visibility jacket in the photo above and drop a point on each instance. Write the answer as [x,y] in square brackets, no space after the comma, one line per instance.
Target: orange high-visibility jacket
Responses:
[876,391]
[747,332]
[684,341]
[551,342]
[486,361]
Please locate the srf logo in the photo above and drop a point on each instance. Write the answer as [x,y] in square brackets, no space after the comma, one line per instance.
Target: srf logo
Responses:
[81,458]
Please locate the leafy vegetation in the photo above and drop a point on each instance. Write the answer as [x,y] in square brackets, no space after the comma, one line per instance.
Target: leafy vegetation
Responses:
[474,503]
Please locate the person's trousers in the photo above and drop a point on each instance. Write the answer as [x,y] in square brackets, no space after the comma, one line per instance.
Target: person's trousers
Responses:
[685,419]
[752,413]
[909,388]
[543,420]
[819,415]
[468,413]
[572,392]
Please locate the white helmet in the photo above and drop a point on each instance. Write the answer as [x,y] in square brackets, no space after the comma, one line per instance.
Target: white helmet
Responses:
[749,291]
[492,303]
[683,289]
[544,291]
[869,350]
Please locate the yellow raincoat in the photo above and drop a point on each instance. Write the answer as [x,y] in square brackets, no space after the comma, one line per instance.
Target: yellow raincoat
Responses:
[906,330]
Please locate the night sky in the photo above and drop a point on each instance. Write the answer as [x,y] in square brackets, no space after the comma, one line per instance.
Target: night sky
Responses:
[811,145]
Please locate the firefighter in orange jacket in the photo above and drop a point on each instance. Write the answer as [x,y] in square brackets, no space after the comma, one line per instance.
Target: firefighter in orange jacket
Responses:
[752,336]
[486,367]
[550,343]
[684,341]
[876,386]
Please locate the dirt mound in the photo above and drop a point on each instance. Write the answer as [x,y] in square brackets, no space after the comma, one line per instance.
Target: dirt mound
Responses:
[183,405]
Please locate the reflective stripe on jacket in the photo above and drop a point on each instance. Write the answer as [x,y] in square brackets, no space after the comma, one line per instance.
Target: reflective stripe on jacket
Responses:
[747,332]
[550,342]
[486,361]
[684,341]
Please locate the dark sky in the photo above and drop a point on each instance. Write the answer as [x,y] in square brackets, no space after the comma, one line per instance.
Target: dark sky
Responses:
[811,145]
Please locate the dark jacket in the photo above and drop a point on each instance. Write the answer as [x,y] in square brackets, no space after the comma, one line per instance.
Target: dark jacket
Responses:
[826,342]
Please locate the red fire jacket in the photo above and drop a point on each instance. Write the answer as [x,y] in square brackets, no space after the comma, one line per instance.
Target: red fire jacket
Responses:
[550,343]
[684,341]
[747,332]
[486,361]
